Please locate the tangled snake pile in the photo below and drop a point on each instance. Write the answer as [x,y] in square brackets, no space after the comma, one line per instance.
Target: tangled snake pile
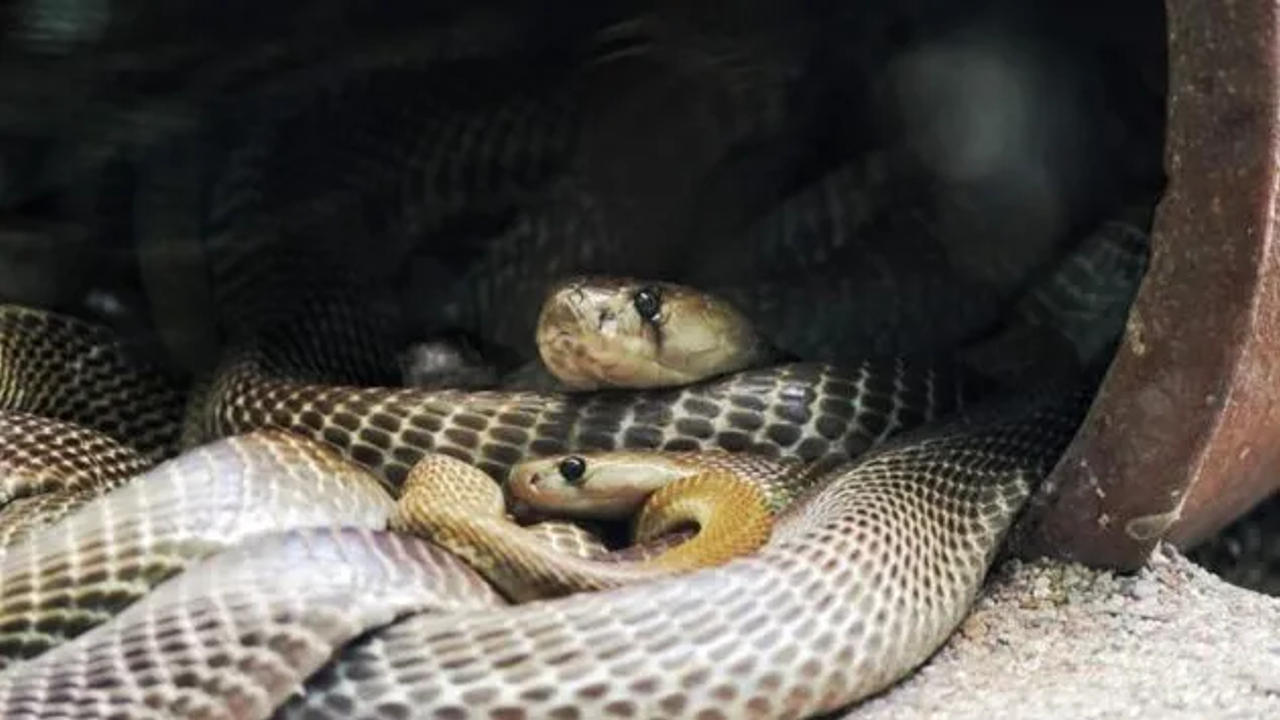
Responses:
[292,599]
[468,156]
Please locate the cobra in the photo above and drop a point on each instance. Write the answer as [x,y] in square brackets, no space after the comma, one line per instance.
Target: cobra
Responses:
[862,578]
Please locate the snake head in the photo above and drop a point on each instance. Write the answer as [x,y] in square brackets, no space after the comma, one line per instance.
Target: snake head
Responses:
[602,485]
[596,332]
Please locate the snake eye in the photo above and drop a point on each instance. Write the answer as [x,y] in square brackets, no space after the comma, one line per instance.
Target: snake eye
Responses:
[572,469]
[648,303]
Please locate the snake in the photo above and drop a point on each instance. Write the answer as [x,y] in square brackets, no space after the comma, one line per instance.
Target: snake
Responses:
[862,577]
[461,509]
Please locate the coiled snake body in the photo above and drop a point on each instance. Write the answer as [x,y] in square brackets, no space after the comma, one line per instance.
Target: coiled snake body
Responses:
[861,580]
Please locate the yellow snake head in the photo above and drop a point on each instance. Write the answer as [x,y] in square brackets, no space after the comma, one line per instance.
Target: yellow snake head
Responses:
[596,332]
[602,485]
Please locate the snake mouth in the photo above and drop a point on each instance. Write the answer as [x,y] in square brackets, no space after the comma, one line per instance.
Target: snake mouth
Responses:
[518,494]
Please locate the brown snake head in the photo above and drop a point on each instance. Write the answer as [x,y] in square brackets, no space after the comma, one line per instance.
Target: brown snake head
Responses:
[460,508]
[616,484]
[597,332]
[600,485]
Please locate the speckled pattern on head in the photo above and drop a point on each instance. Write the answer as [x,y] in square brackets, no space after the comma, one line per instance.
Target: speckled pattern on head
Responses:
[593,334]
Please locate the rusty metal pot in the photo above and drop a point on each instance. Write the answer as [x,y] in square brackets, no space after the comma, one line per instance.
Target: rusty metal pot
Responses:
[1182,437]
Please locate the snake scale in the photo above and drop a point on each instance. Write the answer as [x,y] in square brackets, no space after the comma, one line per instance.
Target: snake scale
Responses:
[253,576]
[860,581]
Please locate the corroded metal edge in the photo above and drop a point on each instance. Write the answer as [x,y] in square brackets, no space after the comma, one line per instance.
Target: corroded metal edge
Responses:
[1182,437]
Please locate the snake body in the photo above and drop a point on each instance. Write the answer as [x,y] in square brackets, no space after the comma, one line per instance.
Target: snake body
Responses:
[78,573]
[863,577]
[459,508]
[62,368]
[810,411]
[231,651]
[859,583]
[50,467]
[80,413]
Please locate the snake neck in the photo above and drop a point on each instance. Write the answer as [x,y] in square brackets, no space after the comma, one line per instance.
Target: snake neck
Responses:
[323,336]
[522,567]
[732,515]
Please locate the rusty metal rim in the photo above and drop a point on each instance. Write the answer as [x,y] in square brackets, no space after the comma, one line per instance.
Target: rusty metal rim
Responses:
[1181,438]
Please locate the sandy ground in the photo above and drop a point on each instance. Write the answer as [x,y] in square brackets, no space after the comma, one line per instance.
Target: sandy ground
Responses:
[1060,641]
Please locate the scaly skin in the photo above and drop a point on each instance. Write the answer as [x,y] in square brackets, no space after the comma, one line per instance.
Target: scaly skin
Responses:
[862,579]
[49,468]
[62,368]
[462,509]
[809,412]
[232,650]
[859,584]
[78,573]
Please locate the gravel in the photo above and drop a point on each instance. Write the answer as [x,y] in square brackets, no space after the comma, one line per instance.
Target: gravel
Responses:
[1049,640]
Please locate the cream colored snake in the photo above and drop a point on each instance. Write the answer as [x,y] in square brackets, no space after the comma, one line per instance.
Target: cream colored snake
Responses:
[862,579]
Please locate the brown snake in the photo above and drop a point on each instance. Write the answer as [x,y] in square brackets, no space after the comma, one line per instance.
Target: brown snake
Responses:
[861,580]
